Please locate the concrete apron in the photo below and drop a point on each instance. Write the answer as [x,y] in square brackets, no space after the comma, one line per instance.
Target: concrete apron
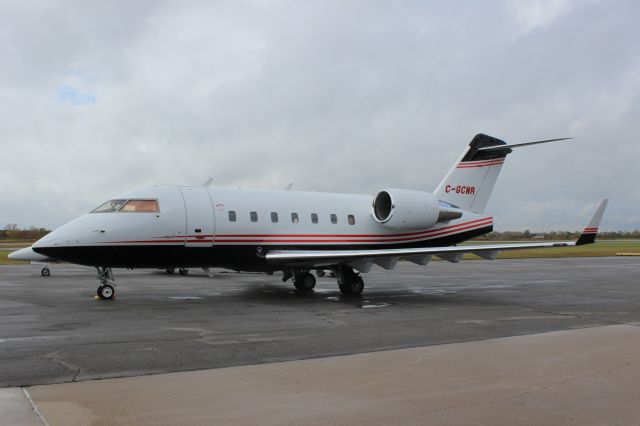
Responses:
[585,376]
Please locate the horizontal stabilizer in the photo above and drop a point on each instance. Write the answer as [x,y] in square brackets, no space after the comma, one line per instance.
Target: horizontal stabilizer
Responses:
[518,145]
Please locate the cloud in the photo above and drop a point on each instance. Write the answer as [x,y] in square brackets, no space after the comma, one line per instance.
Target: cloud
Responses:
[531,14]
[350,97]
[73,96]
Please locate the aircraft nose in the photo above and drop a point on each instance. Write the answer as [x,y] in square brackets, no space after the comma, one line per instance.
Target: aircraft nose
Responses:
[23,254]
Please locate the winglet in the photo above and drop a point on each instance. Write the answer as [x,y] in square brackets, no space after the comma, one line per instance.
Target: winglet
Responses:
[589,233]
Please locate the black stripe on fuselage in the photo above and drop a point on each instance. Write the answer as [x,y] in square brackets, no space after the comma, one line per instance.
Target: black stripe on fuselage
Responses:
[238,257]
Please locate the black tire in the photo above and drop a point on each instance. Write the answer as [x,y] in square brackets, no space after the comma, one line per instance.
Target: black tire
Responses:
[45,272]
[306,282]
[183,271]
[353,288]
[171,271]
[320,273]
[106,292]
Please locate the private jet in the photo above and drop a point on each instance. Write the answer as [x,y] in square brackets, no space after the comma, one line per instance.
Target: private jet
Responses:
[28,255]
[295,232]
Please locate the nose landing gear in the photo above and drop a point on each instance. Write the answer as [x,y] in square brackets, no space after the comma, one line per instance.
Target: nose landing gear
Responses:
[106,289]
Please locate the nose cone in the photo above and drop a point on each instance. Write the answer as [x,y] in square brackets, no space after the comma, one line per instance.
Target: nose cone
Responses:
[70,234]
[27,254]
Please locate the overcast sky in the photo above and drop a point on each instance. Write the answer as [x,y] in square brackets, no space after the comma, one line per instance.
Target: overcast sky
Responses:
[97,98]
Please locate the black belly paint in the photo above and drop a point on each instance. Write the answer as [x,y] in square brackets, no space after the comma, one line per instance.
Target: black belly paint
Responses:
[237,257]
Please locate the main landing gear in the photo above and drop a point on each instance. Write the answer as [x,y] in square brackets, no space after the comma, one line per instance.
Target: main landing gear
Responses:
[106,289]
[45,272]
[181,271]
[349,282]
[303,280]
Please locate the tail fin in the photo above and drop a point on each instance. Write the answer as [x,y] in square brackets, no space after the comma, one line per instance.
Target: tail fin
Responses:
[589,233]
[470,181]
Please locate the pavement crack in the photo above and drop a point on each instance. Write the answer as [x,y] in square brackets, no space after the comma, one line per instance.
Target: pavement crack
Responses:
[57,358]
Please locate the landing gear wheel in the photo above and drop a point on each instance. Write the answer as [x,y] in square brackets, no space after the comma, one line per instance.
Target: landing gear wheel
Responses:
[353,288]
[106,292]
[183,271]
[45,272]
[349,282]
[171,271]
[305,282]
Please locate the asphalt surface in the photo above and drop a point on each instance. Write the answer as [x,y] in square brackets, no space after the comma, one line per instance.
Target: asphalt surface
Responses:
[53,330]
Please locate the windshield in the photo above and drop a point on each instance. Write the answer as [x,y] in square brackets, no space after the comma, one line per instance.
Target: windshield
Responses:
[110,206]
[140,206]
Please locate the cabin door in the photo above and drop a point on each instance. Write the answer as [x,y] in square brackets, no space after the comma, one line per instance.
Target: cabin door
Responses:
[199,212]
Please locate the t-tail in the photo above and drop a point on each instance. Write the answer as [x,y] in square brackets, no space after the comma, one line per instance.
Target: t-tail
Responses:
[470,181]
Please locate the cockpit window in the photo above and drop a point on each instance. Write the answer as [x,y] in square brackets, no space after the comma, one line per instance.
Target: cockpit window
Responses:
[148,206]
[110,206]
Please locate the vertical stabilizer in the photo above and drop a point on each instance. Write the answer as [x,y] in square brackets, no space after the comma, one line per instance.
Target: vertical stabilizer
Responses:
[589,233]
[470,181]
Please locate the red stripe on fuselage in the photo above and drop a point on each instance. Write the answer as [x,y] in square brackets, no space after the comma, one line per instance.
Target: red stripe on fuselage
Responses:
[387,240]
[319,238]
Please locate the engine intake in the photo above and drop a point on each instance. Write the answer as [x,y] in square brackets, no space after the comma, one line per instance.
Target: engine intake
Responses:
[408,209]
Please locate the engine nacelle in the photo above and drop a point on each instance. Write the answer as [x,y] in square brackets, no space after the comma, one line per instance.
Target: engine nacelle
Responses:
[408,209]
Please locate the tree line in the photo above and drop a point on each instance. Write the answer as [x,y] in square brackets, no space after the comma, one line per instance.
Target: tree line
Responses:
[556,235]
[13,232]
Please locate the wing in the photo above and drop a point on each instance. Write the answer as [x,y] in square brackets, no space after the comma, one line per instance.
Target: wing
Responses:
[363,260]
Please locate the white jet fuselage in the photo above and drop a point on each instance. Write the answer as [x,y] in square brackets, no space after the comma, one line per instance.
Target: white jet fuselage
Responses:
[222,227]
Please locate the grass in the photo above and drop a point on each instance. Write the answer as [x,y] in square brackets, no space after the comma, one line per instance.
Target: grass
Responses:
[6,261]
[15,243]
[599,249]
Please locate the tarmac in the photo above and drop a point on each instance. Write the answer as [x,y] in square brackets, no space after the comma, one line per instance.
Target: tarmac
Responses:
[297,358]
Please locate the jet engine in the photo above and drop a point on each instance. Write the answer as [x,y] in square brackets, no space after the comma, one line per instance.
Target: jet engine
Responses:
[408,209]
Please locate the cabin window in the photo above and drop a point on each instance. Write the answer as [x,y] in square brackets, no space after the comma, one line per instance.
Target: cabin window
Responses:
[351,219]
[294,218]
[274,217]
[232,216]
[314,218]
[253,216]
[110,206]
[145,206]
[334,218]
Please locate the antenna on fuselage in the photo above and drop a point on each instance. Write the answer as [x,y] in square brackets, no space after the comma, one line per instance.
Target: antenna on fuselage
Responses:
[208,182]
[288,187]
